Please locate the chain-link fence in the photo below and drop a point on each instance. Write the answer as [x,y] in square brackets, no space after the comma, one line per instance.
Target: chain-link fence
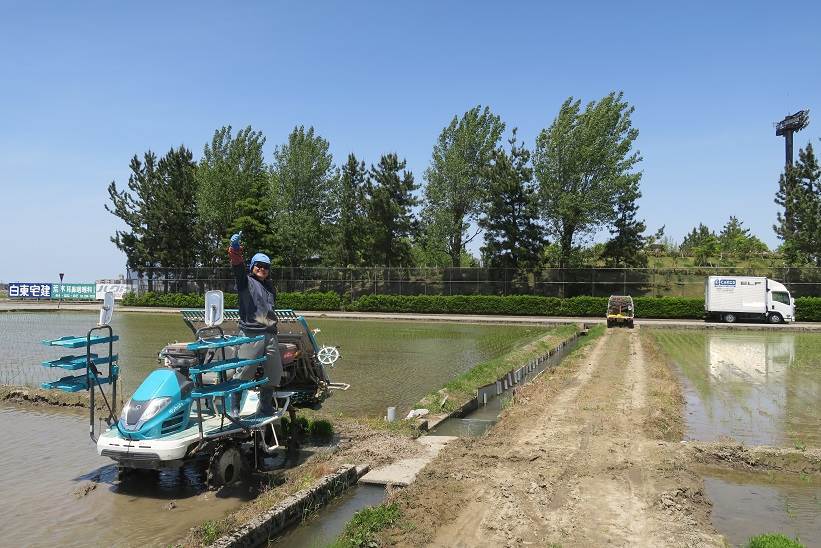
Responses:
[568,282]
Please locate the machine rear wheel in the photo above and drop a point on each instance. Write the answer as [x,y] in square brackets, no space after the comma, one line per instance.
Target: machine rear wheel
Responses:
[729,318]
[226,466]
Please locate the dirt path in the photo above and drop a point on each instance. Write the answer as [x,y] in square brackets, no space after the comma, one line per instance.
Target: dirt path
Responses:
[572,463]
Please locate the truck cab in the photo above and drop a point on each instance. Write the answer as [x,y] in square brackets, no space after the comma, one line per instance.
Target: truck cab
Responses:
[780,304]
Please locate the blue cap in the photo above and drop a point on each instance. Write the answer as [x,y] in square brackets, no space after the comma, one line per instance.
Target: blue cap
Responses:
[260,258]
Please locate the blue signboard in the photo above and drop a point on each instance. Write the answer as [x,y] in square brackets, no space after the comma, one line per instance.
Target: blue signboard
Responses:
[29,290]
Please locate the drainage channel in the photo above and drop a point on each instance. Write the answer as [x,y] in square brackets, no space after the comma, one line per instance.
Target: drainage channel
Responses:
[483,412]
[474,419]
[322,528]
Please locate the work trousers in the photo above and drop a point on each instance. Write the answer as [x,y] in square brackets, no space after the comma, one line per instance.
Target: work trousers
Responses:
[272,366]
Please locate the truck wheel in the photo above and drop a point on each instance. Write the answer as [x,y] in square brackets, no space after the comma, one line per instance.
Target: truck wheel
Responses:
[729,318]
[775,318]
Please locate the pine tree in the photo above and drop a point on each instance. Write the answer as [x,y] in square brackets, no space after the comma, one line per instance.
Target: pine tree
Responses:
[390,201]
[702,243]
[626,245]
[799,225]
[512,233]
[736,241]
[160,211]
[351,227]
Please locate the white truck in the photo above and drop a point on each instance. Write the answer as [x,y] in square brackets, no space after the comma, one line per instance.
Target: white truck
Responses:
[733,298]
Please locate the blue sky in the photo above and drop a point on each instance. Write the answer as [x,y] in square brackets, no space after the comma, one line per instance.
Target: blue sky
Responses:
[87,85]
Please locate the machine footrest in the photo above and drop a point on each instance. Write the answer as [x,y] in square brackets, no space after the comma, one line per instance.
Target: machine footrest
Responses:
[233,363]
[220,342]
[224,388]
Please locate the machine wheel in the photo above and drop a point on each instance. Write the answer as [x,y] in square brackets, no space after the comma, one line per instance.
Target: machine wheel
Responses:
[729,318]
[125,472]
[774,318]
[630,324]
[609,323]
[226,466]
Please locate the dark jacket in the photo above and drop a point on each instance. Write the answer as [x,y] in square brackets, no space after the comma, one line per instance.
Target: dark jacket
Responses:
[257,302]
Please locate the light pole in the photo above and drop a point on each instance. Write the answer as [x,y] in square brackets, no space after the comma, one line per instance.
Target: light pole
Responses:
[789,125]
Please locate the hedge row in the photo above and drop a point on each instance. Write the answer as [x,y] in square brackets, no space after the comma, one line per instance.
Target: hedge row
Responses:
[807,309]
[526,305]
[296,301]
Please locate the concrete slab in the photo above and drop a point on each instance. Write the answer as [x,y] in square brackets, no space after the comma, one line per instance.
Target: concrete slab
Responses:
[404,471]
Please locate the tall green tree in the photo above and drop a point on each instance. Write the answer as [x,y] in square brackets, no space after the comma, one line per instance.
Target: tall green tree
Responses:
[799,224]
[234,193]
[351,238]
[513,237]
[159,209]
[625,247]
[584,161]
[390,202]
[305,198]
[457,177]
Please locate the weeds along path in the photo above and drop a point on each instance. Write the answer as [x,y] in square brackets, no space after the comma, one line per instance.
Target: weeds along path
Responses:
[570,463]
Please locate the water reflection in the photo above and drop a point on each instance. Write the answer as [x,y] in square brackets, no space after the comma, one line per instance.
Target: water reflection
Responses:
[757,387]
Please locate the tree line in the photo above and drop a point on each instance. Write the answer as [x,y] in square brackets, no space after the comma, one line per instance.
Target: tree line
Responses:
[533,207]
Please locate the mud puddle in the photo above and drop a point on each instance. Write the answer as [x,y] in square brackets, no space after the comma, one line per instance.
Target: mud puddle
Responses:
[749,504]
[322,527]
[760,388]
[58,492]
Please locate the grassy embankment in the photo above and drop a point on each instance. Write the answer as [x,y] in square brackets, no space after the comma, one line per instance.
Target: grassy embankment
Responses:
[460,390]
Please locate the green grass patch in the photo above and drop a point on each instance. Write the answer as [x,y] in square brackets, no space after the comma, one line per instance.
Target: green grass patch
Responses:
[773,540]
[210,531]
[463,388]
[361,530]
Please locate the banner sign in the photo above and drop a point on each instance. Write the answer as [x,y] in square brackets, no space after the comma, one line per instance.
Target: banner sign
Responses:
[29,290]
[119,290]
[73,292]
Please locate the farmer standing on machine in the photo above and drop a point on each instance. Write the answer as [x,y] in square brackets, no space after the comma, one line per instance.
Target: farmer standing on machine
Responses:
[257,299]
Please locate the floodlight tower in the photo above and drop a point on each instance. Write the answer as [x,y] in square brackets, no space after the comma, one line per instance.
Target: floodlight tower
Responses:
[789,125]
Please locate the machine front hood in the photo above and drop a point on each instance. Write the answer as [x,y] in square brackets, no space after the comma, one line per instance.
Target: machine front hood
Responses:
[162,383]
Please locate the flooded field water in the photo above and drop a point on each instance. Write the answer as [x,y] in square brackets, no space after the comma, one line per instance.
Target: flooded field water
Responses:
[790,506]
[758,387]
[47,465]
[50,464]
[386,363]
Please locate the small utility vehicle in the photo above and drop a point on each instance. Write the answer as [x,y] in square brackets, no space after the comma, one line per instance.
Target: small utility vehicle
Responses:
[620,311]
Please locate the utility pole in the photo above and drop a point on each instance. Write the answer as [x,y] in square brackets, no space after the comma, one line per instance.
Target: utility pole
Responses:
[789,125]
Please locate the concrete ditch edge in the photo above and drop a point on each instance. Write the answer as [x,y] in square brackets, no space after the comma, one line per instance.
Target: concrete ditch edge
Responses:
[293,509]
[431,422]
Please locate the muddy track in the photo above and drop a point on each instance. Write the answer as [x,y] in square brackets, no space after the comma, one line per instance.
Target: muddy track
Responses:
[573,462]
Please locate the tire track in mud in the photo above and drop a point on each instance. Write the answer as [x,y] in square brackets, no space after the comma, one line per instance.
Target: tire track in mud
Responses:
[570,463]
